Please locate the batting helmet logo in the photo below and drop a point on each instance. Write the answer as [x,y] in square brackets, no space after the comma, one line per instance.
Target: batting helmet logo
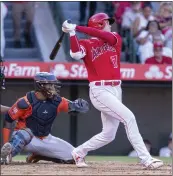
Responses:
[98,20]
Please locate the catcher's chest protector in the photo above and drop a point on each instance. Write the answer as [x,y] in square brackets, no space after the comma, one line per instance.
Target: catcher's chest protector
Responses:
[43,114]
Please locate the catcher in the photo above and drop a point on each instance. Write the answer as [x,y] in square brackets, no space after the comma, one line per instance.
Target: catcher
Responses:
[31,158]
[35,114]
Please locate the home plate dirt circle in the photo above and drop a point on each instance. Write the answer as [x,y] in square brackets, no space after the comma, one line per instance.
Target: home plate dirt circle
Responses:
[95,168]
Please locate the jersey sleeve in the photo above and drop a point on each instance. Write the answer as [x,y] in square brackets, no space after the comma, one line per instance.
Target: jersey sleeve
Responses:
[118,38]
[103,35]
[63,106]
[77,50]
[83,46]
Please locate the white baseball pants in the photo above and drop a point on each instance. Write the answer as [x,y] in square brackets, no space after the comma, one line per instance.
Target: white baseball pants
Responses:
[108,100]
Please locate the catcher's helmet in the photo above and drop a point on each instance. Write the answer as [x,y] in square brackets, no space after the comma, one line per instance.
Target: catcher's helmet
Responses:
[98,20]
[47,84]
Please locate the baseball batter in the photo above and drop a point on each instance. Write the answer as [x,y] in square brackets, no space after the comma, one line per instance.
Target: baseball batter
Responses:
[35,114]
[101,55]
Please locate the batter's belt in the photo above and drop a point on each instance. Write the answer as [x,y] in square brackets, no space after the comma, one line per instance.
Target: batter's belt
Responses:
[107,83]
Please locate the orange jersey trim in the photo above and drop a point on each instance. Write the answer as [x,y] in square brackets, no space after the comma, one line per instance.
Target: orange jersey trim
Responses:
[6,134]
[20,124]
[63,106]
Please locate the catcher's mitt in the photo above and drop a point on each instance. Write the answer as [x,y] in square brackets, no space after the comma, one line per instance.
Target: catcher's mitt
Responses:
[79,105]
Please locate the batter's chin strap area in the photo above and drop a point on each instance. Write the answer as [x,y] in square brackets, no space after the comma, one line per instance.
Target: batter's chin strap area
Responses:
[2,74]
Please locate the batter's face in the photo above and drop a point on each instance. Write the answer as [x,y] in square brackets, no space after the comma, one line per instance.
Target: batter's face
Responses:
[107,26]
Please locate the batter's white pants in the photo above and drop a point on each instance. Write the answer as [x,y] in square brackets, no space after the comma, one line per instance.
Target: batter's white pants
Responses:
[108,100]
[51,147]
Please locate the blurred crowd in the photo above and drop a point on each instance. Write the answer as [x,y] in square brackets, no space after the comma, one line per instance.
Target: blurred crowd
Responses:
[20,10]
[165,151]
[146,27]
[3,15]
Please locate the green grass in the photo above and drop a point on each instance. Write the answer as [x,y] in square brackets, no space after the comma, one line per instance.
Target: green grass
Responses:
[106,158]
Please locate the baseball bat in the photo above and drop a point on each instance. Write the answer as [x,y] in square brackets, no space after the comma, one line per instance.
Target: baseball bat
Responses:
[57,45]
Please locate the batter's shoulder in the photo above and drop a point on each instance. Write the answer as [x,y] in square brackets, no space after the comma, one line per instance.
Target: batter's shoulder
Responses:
[118,38]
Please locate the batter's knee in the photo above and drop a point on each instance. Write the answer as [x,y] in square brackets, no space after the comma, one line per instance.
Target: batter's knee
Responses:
[129,116]
[132,116]
[107,137]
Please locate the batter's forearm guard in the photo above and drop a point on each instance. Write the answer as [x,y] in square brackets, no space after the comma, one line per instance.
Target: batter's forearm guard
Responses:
[79,105]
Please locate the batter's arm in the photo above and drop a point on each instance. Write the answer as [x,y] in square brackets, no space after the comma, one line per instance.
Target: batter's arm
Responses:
[77,51]
[104,35]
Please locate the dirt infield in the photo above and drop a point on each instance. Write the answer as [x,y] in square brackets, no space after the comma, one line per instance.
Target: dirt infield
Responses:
[95,168]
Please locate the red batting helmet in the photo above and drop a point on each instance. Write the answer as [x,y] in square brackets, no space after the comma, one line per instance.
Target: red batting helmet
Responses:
[98,20]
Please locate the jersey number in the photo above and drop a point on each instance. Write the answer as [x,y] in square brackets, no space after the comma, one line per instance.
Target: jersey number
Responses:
[114,61]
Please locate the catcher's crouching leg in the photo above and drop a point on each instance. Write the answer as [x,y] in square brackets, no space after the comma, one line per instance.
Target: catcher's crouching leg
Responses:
[33,158]
[15,145]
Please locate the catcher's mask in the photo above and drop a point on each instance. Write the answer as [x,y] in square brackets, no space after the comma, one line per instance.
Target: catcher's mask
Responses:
[47,84]
[2,67]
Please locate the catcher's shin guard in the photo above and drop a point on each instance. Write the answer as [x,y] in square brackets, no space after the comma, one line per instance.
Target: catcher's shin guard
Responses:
[33,158]
[19,141]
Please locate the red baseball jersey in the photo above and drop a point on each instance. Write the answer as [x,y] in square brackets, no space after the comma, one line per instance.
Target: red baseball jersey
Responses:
[102,60]
[165,60]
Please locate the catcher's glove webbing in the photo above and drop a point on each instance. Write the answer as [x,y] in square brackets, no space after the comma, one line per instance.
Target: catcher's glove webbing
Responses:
[78,105]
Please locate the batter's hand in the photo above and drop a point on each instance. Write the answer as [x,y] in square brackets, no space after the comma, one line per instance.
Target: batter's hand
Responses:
[68,27]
